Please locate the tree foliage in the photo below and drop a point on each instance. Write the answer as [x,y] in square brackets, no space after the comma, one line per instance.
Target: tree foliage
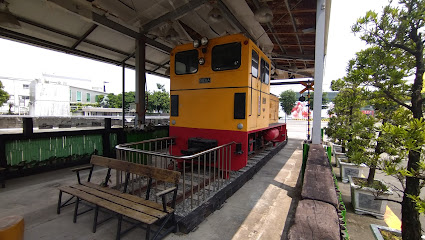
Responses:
[287,101]
[324,99]
[158,101]
[397,38]
[346,111]
[4,96]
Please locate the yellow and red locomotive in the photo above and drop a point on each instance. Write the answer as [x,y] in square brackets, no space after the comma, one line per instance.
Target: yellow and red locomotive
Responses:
[220,93]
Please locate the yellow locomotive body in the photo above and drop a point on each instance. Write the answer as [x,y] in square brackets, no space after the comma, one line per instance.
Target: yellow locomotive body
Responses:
[220,90]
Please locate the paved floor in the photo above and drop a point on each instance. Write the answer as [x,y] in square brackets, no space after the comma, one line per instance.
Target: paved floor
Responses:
[258,210]
[261,209]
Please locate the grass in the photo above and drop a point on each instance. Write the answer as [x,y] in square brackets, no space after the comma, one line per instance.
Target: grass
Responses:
[377,185]
[387,235]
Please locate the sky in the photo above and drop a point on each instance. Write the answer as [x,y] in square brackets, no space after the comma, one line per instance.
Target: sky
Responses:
[24,61]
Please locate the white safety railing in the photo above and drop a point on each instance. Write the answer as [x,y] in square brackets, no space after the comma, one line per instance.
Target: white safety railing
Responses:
[203,174]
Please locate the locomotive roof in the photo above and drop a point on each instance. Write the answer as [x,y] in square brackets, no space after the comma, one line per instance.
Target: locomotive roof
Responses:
[105,30]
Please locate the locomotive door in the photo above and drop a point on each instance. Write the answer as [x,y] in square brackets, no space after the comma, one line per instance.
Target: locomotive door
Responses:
[253,91]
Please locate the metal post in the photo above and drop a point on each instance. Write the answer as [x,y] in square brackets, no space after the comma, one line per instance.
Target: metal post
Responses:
[318,72]
[308,112]
[140,82]
[106,138]
[123,94]
[28,126]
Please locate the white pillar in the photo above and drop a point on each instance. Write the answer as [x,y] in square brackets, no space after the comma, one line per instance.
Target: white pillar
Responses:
[318,72]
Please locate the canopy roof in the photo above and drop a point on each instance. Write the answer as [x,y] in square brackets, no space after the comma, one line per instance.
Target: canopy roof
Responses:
[106,30]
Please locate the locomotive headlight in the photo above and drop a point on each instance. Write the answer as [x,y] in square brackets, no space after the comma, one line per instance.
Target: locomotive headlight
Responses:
[204,41]
[240,126]
[173,122]
[201,61]
[196,43]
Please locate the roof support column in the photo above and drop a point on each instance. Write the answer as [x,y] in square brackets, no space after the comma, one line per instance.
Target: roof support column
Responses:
[123,94]
[140,82]
[319,64]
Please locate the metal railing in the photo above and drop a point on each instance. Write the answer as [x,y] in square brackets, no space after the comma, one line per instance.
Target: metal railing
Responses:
[203,174]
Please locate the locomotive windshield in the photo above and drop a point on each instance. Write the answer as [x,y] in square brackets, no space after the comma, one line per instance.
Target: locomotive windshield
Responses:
[226,56]
[186,62]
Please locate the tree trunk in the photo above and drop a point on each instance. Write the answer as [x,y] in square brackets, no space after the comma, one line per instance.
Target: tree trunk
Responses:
[411,225]
[371,176]
[378,151]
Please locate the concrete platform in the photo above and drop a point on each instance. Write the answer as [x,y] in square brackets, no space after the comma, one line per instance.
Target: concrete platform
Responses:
[261,209]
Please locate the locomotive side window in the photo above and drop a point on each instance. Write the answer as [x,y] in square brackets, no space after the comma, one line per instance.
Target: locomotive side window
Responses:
[254,64]
[265,78]
[174,105]
[186,62]
[226,56]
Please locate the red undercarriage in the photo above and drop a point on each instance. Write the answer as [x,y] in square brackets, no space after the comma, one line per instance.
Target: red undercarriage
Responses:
[247,139]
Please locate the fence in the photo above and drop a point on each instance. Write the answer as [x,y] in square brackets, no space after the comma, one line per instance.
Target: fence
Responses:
[30,152]
[203,173]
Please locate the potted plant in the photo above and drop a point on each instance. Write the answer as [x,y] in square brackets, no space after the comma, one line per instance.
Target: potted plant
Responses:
[398,40]
[346,110]
[383,233]
[369,195]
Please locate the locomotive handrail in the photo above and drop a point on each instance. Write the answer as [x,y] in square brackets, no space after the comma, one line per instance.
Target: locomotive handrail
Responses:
[118,147]
[145,141]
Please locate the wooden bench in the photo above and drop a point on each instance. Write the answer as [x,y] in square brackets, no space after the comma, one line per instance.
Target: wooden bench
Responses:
[139,211]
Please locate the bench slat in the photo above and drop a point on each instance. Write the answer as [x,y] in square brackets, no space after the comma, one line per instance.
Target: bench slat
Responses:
[127,196]
[110,205]
[110,163]
[159,174]
[121,201]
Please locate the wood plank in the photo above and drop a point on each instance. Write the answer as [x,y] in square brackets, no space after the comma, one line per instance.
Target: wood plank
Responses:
[315,220]
[121,201]
[156,173]
[110,163]
[139,169]
[100,161]
[136,215]
[319,184]
[317,155]
[119,165]
[81,168]
[130,197]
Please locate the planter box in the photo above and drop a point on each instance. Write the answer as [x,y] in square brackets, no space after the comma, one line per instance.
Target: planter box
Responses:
[337,153]
[350,169]
[363,200]
[336,148]
[377,233]
[339,156]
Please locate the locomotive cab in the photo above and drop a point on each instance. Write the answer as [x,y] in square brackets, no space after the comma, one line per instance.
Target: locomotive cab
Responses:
[220,93]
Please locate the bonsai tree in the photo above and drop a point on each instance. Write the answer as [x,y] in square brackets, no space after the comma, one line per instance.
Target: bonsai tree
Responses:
[346,111]
[372,66]
[399,31]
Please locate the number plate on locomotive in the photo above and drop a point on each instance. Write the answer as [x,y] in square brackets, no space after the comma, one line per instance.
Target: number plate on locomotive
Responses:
[204,80]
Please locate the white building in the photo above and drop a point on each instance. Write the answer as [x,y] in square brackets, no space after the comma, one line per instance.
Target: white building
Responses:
[48,96]
[49,99]
[19,91]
